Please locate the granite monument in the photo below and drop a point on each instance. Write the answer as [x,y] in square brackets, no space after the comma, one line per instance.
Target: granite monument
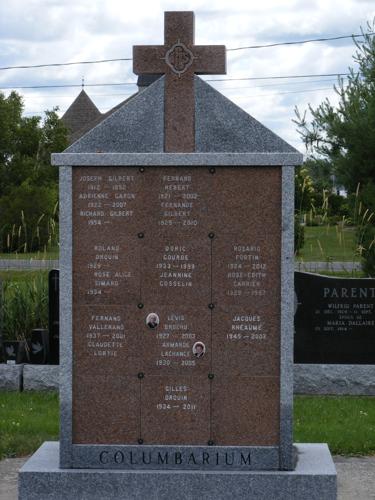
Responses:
[176,299]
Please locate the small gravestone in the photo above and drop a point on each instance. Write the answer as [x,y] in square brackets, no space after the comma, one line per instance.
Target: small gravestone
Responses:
[334,320]
[53,316]
[177,299]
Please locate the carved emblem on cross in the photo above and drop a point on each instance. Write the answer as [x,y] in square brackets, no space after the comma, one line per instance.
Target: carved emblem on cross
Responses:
[179,59]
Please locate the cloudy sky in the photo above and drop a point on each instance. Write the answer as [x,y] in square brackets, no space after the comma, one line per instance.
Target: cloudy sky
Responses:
[58,31]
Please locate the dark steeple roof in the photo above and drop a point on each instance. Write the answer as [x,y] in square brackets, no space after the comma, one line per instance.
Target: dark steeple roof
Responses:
[80,115]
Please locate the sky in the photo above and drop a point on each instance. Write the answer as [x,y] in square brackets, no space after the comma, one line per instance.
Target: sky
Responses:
[58,31]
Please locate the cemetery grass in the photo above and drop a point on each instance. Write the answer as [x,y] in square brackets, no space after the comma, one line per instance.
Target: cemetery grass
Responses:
[346,423]
[27,419]
[329,244]
[21,275]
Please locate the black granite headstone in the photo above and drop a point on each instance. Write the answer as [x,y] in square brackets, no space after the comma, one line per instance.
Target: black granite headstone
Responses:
[2,357]
[334,320]
[53,316]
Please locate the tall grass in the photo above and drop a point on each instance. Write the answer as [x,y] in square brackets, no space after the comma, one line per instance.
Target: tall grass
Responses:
[40,236]
[365,222]
[361,222]
[24,307]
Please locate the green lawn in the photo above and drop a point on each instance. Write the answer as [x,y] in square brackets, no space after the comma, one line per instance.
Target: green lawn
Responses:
[347,424]
[27,419]
[329,243]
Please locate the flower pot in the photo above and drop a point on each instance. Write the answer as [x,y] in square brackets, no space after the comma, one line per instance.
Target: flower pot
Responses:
[38,347]
[14,351]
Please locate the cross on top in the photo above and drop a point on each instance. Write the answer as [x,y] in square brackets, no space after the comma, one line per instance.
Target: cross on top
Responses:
[179,59]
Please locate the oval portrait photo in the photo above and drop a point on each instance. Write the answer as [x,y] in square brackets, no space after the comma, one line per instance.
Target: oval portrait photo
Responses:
[199,349]
[152,320]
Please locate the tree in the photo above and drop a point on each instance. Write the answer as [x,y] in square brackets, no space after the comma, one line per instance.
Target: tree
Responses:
[28,182]
[343,137]
[320,171]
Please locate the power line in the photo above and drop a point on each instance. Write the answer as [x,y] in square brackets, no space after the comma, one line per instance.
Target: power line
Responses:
[207,80]
[279,84]
[275,77]
[286,92]
[65,64]
[301,91]
[73,96]
[67,86]
[297,42]
[120,59]
[70,96]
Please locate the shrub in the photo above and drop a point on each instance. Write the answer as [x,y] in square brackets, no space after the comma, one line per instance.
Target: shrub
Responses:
[28,219]
[24,306]
[367,250]
[299,235]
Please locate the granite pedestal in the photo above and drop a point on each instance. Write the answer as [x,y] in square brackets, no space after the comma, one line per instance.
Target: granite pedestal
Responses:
[41,377]
[163,215]
[314,478]
[10,377]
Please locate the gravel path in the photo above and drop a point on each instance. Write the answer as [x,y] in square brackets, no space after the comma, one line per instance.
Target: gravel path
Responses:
[25,264]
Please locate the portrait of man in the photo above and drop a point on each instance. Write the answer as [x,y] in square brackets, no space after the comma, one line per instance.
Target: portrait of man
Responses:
[152,320]
[199,349]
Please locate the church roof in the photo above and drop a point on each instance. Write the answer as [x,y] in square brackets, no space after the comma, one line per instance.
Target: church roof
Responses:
[137,126]
[80,116]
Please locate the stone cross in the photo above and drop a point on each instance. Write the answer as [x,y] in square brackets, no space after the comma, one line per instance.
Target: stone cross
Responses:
[179,59]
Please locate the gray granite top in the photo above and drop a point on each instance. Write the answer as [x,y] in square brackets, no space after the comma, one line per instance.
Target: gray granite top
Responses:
[222,126]
[176,159]
[137,127]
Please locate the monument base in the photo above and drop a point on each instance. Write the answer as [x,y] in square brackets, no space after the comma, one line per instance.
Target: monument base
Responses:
[314,478]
